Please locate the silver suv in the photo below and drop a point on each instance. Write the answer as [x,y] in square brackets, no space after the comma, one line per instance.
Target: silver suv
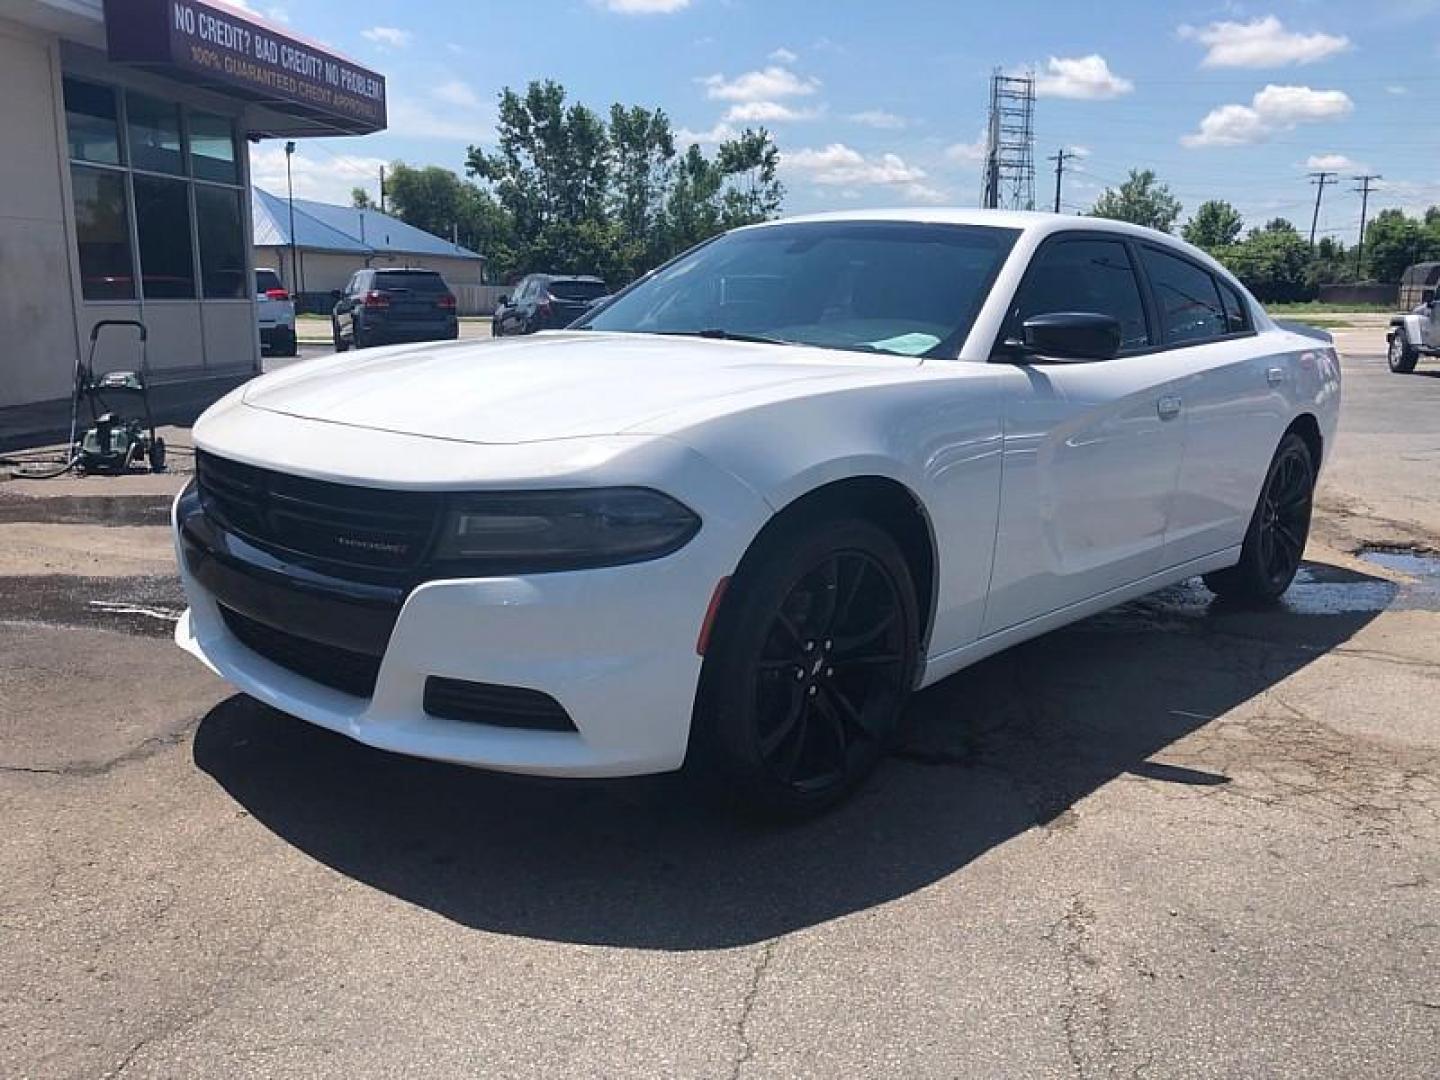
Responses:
[276,311]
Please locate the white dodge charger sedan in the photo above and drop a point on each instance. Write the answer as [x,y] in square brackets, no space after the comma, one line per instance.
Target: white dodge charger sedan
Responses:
[739,512]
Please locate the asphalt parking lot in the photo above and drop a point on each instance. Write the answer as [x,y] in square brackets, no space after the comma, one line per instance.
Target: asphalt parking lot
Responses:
[1173,840]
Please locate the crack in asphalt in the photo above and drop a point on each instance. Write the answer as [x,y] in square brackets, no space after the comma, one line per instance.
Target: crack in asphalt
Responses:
[142,751]
[1090,1043]
[747,1007]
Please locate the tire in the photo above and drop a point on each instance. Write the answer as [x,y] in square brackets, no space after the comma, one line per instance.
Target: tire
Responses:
[341,345]
[290,346]
[1279,528]
[157,455]
[811,662]
[1401,355]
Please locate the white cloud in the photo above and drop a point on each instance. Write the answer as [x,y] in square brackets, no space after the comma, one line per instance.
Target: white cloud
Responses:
[879,118]
[275,14]
[458,93]
[768,85]
[1082,78]
[1335,163]
[387,36]
[644,7]
[326,177]
[1274,109]
[783,55]
[970,153]
[838,165]
[1398,91]
[766,112]
[1261,43]
[721,132]
[924,193]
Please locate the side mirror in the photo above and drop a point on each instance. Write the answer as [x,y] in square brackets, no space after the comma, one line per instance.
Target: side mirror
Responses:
[502,301]
[336,294]
[1076,336]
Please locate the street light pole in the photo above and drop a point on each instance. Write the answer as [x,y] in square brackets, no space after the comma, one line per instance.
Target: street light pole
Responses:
[290,194]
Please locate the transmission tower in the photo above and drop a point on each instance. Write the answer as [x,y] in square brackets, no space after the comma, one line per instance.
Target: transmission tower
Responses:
[1010,143]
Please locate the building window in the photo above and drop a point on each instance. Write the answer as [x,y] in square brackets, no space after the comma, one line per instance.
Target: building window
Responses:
[153,130]
[212,148]
[92,122]
[162,220]
[102,232]
[155,184]
[222,242]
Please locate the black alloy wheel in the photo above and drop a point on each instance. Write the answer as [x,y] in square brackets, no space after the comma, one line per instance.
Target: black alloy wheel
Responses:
[811,668]
[1279,529]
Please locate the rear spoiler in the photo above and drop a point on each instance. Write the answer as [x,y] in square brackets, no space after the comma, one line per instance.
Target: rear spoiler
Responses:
[1307,330]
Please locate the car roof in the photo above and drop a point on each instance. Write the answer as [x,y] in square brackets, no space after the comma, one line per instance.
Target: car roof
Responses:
[1032,221]
[571,277]
[404,270]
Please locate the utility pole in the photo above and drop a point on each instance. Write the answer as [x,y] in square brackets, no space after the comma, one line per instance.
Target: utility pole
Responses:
[290,195]
[382,189]
[1319,179]
[1059,159]
[1364,190]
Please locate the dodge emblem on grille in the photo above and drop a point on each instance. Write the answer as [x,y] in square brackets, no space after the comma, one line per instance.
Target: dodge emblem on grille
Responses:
[372,545]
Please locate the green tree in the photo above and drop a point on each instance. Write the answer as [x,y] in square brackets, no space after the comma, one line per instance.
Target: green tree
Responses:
[1274,264]
[1141,200]
[750,164]
[1395,240]
[643,154]
[360,198]
[436,200]
[1216,224]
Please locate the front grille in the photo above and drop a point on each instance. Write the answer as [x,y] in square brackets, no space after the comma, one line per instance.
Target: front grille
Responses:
[338,524]
[343,670]
[501,706]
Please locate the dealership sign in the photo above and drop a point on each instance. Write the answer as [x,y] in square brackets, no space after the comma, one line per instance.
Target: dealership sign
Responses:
[211,43]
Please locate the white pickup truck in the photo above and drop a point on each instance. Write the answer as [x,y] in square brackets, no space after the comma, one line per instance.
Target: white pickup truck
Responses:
[275,311]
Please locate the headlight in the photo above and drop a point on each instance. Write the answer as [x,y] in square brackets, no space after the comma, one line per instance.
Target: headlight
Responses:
[533,531]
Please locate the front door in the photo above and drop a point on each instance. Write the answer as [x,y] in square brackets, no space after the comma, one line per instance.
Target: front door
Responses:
[1091,450]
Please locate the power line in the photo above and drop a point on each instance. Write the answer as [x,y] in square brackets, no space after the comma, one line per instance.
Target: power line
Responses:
[1319,179]
[1364,190]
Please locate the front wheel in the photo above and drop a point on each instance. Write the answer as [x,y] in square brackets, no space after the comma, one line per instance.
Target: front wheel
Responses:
[1279,530]
[811,663]
[1401,355]
[338,338]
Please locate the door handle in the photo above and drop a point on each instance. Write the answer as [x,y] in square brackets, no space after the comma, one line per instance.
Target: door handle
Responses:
[1275,376]
[1168,407]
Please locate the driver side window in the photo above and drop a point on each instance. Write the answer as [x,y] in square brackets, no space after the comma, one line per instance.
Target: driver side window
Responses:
[1085,275]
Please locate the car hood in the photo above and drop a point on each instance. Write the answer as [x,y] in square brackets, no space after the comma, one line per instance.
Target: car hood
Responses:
[551,386]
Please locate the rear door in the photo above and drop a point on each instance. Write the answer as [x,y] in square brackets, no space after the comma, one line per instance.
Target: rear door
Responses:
[1091,450]
[1233,395]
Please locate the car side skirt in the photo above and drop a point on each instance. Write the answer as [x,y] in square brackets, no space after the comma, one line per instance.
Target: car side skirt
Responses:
[947,663]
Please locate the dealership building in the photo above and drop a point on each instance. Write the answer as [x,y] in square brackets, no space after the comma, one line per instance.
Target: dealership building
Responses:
[124,186]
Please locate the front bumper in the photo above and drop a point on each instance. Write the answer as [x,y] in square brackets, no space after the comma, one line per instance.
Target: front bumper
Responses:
[615,647]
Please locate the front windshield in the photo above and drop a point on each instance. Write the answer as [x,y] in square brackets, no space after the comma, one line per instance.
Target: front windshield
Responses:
[904,288]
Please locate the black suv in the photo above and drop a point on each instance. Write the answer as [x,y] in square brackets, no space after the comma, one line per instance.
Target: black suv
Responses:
[378,307]
[546,302]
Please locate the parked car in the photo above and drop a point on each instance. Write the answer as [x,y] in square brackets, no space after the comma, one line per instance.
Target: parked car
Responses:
[275,310]
[736,516]
[385,306]
[1413,335]
[546,302]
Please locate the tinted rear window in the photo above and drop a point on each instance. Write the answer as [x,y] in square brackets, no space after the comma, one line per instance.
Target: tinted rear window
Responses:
[266,279]
[577,290]
[414,280]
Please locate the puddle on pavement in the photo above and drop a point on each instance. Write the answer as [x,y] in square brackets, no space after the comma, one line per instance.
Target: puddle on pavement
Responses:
[1422,590]
[85,509]
[148,606]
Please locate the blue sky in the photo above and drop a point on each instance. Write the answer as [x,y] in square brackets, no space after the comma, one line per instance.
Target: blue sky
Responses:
[882,103]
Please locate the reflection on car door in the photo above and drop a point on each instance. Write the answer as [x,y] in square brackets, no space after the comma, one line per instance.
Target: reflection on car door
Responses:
[1091,450]
[1235,408]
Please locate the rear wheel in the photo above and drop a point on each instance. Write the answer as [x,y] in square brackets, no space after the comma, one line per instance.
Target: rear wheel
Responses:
[338,338]
[811,664]
[157,455]
[1279,529]
[1402,355]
